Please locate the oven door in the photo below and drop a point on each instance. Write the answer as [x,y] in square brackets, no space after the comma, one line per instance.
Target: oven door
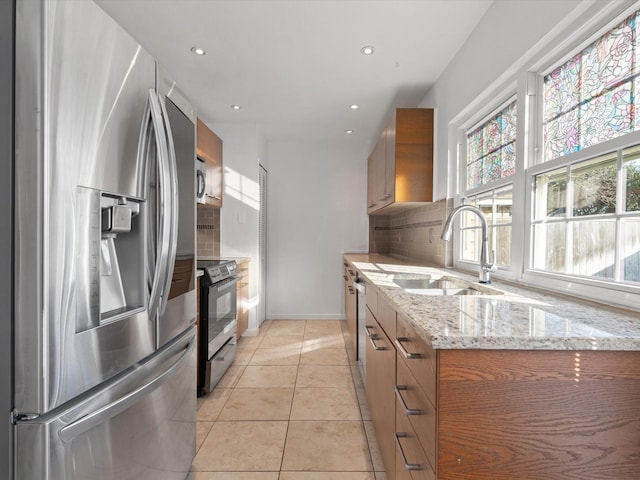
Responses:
[221,314]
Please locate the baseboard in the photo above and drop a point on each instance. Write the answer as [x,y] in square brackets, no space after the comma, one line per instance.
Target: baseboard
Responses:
[305,316]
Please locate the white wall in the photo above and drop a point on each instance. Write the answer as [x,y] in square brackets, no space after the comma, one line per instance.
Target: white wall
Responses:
[317,211]
[493,51]
[243,148]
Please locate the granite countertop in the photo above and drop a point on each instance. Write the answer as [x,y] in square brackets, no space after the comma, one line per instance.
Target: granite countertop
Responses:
[515,319]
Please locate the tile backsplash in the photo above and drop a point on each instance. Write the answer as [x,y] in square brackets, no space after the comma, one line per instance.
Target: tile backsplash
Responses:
[208,232]
[413,234]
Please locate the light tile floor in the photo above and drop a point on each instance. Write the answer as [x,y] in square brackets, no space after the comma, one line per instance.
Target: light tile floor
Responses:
[291,407]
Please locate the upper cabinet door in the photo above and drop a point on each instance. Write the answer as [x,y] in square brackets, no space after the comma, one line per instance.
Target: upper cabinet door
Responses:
[210,150]
[401,164]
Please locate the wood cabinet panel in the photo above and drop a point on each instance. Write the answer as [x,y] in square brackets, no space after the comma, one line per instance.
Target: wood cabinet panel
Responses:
[400,167]
[386,318]
[536,414]
[243,298]
[209,149]
[380,381]
[372,300]
[351,311]
[419,411]
[423,361]
[409,452]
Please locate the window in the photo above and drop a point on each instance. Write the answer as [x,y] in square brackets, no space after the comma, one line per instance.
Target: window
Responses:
[490,157]
[585,220]
[594,96]
[582,213]
[491,148]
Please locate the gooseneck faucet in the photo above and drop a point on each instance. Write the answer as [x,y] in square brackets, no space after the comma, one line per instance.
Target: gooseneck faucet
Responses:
[486,267]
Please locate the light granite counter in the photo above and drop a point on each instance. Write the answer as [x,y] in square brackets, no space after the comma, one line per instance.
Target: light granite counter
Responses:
[517,319]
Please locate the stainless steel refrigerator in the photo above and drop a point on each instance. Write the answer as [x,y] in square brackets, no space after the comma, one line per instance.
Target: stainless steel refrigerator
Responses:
[103,234]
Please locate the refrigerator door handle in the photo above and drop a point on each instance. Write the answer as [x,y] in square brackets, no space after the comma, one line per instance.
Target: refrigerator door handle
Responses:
[173,209]
[86,423]
[165,199]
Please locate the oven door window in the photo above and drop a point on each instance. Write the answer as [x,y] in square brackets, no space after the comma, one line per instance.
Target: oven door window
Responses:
[222,309]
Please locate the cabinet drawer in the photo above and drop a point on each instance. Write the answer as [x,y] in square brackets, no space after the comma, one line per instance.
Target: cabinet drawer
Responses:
[420,358]
[410,458]
[420,413]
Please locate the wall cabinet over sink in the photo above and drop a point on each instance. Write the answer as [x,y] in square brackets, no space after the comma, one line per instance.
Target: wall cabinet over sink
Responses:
[209,150]
[400,167]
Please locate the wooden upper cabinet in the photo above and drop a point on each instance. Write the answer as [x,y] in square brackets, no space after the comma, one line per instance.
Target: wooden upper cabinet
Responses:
[209,149]
[401,164]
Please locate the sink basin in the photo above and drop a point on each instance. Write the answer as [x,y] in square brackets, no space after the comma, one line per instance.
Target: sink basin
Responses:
[413,283]
[443,286]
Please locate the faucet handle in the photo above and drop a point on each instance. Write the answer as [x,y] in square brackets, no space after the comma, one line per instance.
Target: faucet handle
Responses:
[491,266]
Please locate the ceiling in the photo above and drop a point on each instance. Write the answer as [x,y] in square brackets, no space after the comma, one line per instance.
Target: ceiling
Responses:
[294,66]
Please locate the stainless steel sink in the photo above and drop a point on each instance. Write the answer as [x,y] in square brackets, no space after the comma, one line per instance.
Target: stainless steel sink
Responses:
[443,286]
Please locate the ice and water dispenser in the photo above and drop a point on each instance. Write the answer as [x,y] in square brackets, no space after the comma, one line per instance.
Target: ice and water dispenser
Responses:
[109,264]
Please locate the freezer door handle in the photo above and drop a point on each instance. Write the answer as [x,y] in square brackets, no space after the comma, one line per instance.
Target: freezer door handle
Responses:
[86,423]
[165,199]
[172,196]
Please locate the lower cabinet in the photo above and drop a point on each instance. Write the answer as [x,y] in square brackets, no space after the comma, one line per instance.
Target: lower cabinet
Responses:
[351,310]
[243,297]
[411,460]
[499,414]
[380,381]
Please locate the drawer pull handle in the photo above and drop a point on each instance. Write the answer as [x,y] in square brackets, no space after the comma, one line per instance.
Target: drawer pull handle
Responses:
[407,410]
[404,351]
[369,334]
[407,465]
[372,339]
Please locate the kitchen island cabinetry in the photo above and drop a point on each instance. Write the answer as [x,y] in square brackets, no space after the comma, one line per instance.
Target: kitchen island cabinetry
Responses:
[400,167]
[209,150]
[502,386]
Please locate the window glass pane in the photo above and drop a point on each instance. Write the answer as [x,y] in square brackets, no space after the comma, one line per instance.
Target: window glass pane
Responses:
[605,117]
[608,60]
[474,174]
[485,204]
[470,244]
[560,90]
[504,205]
[475,143]
[631,250]
[549,241]
[491,148]
[632,172]
[551,194]
[594,244]
[502,246]
[508,153]
[594,186]
[470,219]
[590,98]
[561,135]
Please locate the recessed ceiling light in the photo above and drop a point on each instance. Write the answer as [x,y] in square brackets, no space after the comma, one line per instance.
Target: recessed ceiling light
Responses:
[348,132]
[354,106]
[198,51]
[236,107]
[368,50]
